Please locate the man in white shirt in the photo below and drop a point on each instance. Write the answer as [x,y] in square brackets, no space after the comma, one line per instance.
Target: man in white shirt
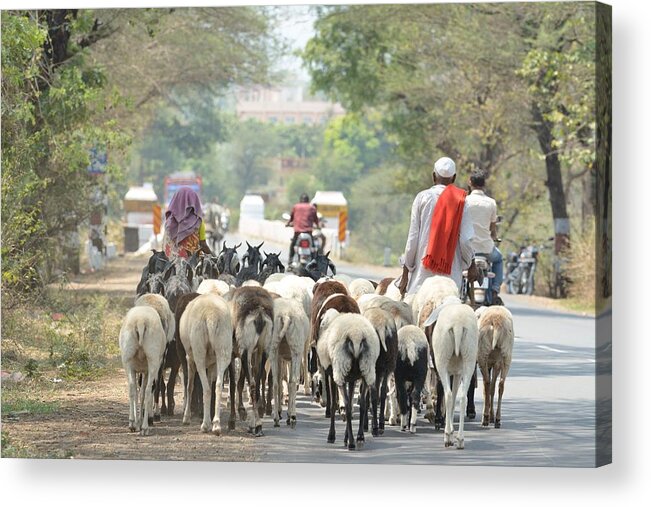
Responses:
[414,273]
[483,211]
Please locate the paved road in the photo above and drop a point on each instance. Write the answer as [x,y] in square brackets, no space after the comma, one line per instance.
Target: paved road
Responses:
[548,412]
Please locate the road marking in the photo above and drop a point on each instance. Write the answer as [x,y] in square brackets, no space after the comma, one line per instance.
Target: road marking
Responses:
[545,347]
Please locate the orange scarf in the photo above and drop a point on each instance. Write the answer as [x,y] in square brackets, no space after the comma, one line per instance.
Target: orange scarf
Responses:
[444,231]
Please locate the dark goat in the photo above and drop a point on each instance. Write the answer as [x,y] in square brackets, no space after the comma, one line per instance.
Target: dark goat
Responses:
[253,257]
[318,267]
[385,327]
[206,268]
[176,282]
[156,264]
[228,262]
[270,265]
[410,374]
[339,301]
[252,311]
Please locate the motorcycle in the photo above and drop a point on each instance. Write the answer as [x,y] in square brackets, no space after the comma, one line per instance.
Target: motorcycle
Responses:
[521,270]
[304,249]
[479,292]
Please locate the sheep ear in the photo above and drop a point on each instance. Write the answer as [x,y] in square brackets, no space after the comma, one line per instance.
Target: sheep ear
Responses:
[332,267]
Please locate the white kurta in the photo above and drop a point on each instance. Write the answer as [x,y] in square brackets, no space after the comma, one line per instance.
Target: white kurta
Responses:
[418,238]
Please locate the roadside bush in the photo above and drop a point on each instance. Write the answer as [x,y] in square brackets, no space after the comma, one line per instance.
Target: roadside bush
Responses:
[67,336]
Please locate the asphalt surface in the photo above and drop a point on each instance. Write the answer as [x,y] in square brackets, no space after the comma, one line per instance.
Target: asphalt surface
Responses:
[548,410]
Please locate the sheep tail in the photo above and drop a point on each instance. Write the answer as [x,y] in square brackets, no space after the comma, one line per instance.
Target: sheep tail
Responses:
[285,321]
[495,336]
[459,336]
[140,331]
[259,322]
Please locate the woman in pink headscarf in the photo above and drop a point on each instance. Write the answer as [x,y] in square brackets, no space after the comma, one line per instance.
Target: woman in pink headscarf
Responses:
[185,232]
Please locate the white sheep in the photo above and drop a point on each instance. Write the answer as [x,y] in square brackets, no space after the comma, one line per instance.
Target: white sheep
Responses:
[430,295]
[360,286]
[206,332]
[289,342]
[410,373]
[298,288]
[345,279]
[348,349]
[494,356]
[142,346]
[455,343]
[162,307]
[399,310]
[275,277]
[219,287]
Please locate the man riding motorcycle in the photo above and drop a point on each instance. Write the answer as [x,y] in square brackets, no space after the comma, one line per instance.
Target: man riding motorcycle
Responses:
[483,211]
[303,218]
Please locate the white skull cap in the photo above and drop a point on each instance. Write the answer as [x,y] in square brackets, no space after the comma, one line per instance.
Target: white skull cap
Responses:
[445,167]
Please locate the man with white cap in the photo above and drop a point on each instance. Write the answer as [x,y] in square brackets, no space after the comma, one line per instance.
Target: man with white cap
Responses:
[440,232]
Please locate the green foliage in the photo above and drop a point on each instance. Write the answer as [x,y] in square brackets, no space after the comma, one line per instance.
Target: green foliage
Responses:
[460,80]
[352,145]
[50,121]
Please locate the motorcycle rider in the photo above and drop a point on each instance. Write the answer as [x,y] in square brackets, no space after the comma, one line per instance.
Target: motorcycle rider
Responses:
[483,211]
[303,217]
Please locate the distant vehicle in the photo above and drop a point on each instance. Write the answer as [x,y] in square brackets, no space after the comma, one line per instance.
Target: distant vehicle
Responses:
[521,270]
[177,180]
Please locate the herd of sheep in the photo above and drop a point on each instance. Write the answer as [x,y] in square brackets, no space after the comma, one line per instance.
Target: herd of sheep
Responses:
[341,338]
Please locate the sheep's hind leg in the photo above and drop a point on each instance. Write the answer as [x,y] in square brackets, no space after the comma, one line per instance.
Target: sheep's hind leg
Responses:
[133,399]
[383,403]
[347,392]
[216,421]
[275,374]
[158,392]
[171,383]
[449,407]
[463,401]
[231,393]
[187,403]
[375,428]
[485,373]
[149,402]
[363,410]
[244,375]
[498,416]
[294,373]
[330,386]
[470,411]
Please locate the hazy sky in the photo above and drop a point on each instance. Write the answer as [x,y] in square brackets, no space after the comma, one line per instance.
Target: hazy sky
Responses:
[296,27]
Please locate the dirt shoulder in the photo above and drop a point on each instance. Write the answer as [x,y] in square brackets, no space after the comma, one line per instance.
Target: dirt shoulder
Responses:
[88,419]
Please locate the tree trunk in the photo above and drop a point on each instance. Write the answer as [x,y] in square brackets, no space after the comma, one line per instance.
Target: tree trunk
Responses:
[554,181]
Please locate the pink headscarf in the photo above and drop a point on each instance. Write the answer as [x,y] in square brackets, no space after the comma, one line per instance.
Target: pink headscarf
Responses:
[183,216]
